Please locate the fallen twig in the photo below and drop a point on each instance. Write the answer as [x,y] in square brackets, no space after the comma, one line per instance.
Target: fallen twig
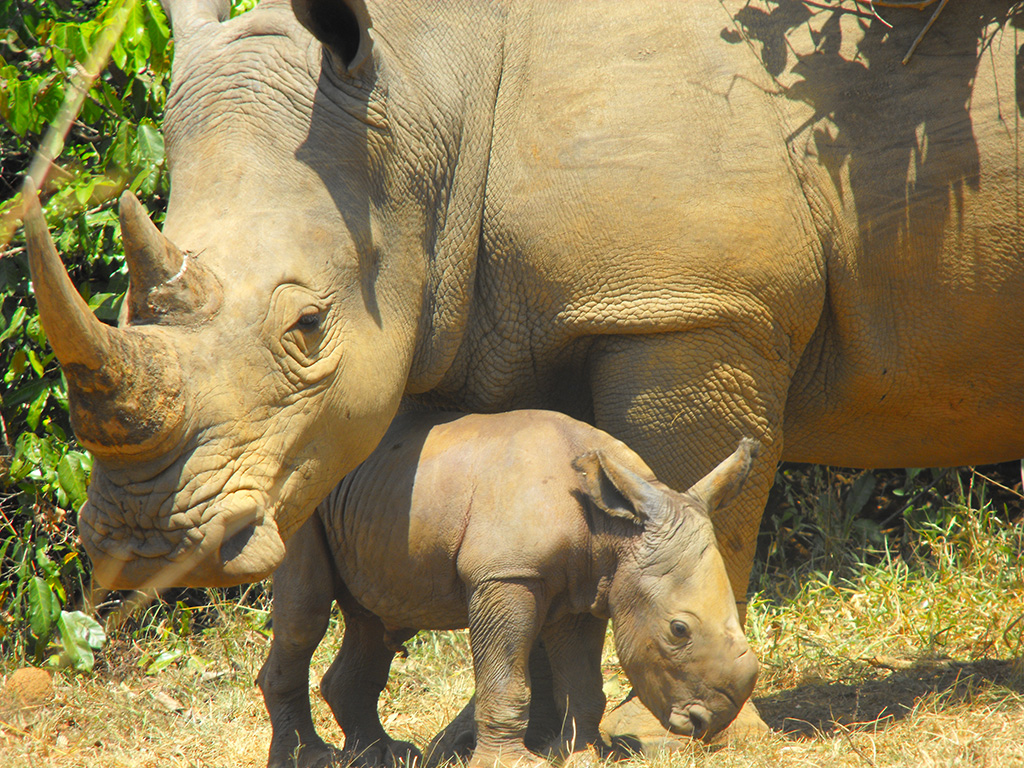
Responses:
[924,31]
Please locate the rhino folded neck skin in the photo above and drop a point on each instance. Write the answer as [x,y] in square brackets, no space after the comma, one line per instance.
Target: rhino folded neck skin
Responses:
[251,338]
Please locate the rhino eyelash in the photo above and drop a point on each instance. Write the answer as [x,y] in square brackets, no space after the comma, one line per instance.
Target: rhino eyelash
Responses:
[309,323]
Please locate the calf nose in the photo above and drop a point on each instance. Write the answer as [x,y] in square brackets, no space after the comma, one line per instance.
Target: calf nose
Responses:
[693,721]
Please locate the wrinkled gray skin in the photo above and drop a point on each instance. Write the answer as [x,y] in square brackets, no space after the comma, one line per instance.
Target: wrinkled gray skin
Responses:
[683,222]
[522,526]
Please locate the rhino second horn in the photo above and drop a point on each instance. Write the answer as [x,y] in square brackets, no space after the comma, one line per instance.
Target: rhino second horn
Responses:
[188,16]
[163,283]
[152,260]
[77,337]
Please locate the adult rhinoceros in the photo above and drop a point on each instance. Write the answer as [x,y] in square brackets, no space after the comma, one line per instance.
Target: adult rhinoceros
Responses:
[684,222]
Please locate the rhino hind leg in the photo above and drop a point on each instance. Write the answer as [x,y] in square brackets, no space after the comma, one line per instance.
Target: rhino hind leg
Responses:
[352,688]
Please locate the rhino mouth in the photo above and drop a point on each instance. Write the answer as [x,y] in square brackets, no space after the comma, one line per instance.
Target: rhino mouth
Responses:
[237,543]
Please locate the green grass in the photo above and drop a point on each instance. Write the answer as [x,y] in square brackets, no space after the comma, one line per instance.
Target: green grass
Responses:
[911,655]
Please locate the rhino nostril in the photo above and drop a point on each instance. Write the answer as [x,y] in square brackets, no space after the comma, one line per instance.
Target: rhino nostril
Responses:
[235,544]
[693,720]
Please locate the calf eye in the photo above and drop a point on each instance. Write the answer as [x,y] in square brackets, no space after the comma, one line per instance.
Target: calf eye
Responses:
[680,630]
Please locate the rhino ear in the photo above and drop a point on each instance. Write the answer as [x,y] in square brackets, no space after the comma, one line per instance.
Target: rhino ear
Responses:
[722,484]
[342,26]
[616,488]
[187,16]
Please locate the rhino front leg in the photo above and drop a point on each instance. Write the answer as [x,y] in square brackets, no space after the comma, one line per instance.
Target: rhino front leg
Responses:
[352,687]
[574,649]
[302,609]
[504,622]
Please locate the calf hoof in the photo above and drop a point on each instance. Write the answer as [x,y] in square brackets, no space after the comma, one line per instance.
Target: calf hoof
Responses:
[456,742]
[382,754]
[312,755]
[507,758]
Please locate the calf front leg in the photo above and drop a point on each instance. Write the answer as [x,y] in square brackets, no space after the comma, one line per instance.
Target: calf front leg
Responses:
[504,621]
[458,739]
[301,612]
[352,687]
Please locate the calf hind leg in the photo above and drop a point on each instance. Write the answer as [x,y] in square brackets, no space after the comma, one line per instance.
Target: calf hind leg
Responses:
[574,648]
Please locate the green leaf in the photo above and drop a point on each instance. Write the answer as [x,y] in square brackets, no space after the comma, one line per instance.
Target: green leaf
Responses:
[16,320]
[151,144]
[34,330]
[35,411]
[164,659]
[35,362]
[43,608]
[80,635]
[73,478]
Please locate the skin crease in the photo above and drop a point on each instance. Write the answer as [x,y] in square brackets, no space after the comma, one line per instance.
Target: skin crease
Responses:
[521,526]
[766,226]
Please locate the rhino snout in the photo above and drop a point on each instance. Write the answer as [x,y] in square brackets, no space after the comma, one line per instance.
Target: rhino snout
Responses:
[248,545]
[238,543]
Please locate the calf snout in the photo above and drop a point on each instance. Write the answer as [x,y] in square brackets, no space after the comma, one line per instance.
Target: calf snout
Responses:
[693,720]
[736,687]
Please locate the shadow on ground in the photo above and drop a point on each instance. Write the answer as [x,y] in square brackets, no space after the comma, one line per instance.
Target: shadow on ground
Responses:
[824,708]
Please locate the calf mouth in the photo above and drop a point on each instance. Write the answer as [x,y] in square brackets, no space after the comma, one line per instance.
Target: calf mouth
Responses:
[692,720]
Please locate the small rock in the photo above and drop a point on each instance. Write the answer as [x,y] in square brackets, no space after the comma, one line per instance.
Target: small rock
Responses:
[168,703]
[29,687]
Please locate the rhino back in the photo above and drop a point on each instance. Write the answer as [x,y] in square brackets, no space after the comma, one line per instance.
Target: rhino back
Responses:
[605,210]
[777,172]
[920,163]
[447,502]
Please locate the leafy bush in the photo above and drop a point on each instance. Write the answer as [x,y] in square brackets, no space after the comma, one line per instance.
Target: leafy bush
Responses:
[113,144]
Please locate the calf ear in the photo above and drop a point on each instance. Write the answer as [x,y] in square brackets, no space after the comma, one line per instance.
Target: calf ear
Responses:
[722,484]
[343,26]
[617,489]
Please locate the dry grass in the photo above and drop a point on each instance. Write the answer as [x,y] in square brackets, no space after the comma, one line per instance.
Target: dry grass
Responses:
[898,665]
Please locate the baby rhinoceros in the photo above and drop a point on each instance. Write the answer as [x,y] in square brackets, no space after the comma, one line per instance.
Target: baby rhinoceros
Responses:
[523,526]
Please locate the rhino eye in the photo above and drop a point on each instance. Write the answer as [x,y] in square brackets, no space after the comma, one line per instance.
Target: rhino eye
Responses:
[309,322]
[680,630]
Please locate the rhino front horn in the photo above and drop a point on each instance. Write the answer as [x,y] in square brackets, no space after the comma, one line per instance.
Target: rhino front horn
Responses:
[124,387]
[77,337]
